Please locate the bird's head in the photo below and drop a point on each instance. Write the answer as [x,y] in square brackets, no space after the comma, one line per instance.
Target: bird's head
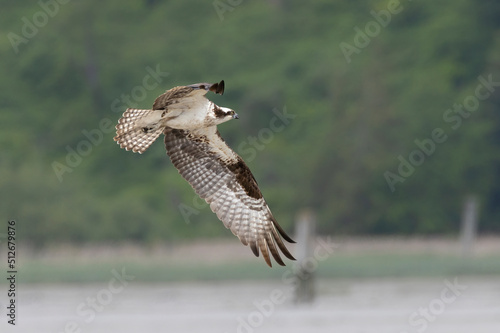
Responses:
[224,114]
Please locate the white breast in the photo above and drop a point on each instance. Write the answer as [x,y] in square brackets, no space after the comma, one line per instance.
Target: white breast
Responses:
[190,114]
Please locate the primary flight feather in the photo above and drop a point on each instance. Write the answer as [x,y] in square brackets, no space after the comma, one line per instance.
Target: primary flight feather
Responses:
[217,174]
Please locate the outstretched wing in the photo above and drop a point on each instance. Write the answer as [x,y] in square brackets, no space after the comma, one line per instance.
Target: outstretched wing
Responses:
[220,176]
[186,94]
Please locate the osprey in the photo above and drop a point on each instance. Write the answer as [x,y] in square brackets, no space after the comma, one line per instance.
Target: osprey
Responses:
[217,174]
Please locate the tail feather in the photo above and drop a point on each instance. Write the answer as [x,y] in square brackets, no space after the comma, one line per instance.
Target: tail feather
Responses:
[134,135]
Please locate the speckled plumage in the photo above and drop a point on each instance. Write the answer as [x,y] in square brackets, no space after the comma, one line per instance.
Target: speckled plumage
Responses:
[217,174]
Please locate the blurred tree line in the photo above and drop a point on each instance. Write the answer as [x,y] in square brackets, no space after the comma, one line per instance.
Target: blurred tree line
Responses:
[339,103]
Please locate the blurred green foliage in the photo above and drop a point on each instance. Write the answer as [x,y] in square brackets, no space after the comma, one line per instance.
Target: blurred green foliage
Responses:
[353,116]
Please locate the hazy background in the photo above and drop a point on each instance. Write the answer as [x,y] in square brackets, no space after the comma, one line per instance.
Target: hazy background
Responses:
[351,120]
[375,115]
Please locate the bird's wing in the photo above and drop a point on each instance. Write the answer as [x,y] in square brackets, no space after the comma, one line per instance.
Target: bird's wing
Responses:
[220,176]
[186,94]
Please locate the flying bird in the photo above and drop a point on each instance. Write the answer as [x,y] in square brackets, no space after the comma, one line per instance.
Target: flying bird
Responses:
[217,174]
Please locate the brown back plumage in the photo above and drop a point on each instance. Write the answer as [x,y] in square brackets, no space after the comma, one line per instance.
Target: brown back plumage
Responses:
[172,96]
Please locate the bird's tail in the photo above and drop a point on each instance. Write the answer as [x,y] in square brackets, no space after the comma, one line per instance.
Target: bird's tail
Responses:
[137,129]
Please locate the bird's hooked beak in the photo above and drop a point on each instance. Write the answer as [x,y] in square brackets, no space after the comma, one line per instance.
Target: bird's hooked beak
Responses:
[235,116]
